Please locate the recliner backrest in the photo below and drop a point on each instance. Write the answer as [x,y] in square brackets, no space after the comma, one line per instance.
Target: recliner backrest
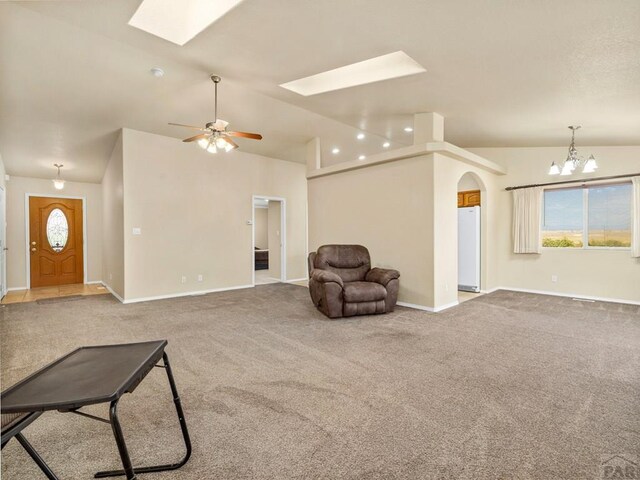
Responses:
[350,262]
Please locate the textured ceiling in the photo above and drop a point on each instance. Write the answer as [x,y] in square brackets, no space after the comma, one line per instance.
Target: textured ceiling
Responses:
[503,73]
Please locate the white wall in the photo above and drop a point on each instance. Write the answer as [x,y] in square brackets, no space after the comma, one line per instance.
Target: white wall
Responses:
[113,222]
[3,232]
[274,239]
[16,188]
[598,273]
[2,173]
[388,209]
[468,182]
[261,221]
[193,207]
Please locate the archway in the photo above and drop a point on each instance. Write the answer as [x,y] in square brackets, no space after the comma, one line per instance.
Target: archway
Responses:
[472,230]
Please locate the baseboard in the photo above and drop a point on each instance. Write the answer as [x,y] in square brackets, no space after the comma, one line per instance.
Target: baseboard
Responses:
[428,309]
[568,295]
[120,299]
[296,280]
[491,290]
[446,306]
[184,294]
[13,289]
[416,306]
[94,282]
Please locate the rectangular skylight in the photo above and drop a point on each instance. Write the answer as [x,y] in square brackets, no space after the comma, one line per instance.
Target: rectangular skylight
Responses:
[393,65]
[179,21]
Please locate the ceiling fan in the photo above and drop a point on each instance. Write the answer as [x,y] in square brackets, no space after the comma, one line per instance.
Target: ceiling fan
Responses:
[215,135]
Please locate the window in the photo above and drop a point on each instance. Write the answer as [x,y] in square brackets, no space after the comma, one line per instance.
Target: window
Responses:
[57,230]
[597,216]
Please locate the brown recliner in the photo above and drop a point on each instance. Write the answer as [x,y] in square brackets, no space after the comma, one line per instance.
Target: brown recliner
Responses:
[342,282]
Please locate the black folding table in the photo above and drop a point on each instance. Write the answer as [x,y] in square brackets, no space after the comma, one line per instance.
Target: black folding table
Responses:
[91,375]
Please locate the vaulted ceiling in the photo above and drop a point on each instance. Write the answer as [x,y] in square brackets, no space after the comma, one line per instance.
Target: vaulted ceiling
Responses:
[502,72]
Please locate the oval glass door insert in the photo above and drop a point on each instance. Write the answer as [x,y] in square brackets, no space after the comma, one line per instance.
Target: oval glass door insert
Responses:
[57,230]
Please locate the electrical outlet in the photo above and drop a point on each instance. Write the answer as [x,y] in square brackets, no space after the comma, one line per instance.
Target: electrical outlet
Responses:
[200,277]
[184,279]
[554,278]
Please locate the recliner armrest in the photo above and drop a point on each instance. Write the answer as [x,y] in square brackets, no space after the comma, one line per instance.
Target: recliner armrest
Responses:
[382,275]
[325,276]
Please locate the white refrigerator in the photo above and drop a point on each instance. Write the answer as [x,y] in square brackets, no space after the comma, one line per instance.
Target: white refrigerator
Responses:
[469,249]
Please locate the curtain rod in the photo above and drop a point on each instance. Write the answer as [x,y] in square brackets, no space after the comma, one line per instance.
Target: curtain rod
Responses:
[583,180]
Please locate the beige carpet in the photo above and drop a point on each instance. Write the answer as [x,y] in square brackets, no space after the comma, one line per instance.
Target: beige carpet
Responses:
[505,386]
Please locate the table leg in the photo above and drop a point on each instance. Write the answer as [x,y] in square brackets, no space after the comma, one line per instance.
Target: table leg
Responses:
[36,458]
[122,446]
[183,427]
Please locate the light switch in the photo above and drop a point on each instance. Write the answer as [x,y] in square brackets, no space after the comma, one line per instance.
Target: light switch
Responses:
[137,231]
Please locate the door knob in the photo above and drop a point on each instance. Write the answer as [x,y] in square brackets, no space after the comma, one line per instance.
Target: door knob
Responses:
[33,243]
[33,249]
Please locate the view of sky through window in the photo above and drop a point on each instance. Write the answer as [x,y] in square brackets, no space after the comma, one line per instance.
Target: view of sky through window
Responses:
[608,212]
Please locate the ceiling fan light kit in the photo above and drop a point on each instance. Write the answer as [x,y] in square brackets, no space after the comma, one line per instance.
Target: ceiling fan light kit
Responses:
[574,162]
[215,136]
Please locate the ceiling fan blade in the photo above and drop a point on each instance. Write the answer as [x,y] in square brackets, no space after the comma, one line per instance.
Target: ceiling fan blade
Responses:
[187,126]
[230,142]
[196,137]
[255,136]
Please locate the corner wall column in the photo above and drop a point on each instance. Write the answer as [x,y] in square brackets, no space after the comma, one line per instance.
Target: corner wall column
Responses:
[428,127]
[314,155]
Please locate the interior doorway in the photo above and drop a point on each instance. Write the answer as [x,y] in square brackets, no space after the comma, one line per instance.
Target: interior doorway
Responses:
[469,237]
[55,235]
[268,239]
[3,244]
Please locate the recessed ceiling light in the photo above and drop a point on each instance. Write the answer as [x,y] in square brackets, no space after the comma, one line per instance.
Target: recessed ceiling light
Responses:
[408,129]
[179,22]
[386,144]
[362,157]
[393,65]
[360,136]
[335,151]
[157,72]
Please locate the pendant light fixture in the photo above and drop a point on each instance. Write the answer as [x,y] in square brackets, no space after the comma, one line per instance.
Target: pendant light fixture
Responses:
[58,182]
[573,161]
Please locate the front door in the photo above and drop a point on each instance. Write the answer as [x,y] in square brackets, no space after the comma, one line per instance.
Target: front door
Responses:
[55,241]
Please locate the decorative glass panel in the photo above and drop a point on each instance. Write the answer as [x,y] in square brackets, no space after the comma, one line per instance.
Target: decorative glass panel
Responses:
[57,230]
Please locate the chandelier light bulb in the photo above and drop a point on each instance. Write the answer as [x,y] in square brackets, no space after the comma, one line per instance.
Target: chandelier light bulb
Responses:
[555,169]
[212,148]
[567,168]
[203,142]
[591,165]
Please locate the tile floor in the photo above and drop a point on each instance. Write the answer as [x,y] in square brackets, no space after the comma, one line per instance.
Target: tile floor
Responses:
[19,296]
[464,296]
[263,278]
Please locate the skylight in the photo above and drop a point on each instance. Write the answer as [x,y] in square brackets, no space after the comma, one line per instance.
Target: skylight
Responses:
[179,22]
[393,65]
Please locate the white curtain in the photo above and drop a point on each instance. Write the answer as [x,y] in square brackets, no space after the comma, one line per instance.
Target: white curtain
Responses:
[527,215]
[635,213]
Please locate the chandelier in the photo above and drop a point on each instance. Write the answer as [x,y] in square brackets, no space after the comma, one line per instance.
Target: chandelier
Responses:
[573,161]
